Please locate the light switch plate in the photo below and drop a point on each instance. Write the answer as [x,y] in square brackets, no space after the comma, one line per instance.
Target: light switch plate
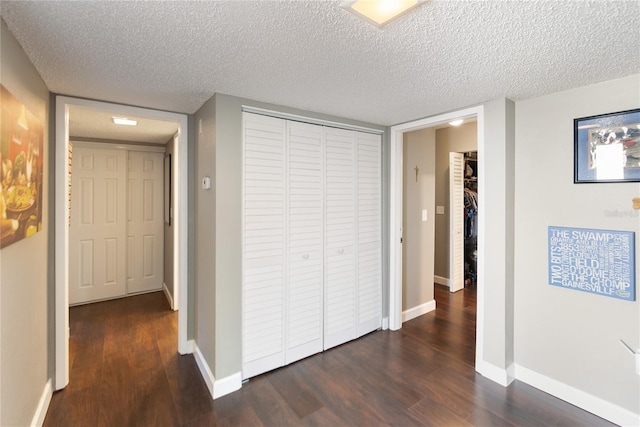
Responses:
[424,215]
[206,183]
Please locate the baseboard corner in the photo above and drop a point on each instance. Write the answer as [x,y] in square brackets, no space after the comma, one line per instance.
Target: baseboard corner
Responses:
[227,385]
[205,371]
[43,405]
[596,405]
[502,376]
[168,295]
[442,281]
[418,311]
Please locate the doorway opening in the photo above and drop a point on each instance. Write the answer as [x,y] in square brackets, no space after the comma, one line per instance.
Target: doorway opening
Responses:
[62,220]
[396,217]
[440,231]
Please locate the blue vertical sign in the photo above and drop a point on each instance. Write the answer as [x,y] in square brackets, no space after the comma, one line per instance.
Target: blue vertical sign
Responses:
[596,261]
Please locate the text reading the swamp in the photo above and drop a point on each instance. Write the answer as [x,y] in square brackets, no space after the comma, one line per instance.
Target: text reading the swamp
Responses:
[597,261]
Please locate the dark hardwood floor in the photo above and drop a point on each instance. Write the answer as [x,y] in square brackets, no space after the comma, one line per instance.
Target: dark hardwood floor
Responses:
[125,371]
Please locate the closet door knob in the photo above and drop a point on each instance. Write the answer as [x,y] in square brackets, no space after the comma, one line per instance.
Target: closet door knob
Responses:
[305,256]
[340,251]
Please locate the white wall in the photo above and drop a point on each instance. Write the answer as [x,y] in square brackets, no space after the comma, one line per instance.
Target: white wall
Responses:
[566,335]
[463,138]
[418,237]
[24,289]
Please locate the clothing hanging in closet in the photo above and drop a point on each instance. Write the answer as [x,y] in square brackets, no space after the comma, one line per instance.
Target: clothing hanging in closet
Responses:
[470,213]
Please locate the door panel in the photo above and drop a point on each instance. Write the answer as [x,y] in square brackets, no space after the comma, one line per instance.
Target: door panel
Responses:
[304,231]
[340,237]
[98,228]
[263,282]
[145,236]
[369,261]
[456,221]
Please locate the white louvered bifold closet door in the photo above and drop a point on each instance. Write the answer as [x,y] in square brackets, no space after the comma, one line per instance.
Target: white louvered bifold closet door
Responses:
[264,252]
[456,221]
[312,239]
[340,237]
[304,264]
[369,192]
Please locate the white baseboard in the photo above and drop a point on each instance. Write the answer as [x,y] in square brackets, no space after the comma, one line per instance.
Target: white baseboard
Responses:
[43,405]
[205,371]
[168,295]
[579,398]
[217,388]
[414,312]
[385,323]
[504,377]
[227,385]
[442,281]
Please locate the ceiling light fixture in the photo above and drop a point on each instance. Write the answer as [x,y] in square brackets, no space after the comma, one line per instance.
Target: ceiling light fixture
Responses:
[124,121]
[380,12]
[456,122]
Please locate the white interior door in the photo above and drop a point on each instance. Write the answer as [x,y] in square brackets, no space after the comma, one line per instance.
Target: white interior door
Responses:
[98,227]
[145,230]
[456,221]
[369,178]
[304,230]
[340,237]
[263,282]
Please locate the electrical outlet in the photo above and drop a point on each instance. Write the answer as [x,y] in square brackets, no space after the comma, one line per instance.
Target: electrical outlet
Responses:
[440,210]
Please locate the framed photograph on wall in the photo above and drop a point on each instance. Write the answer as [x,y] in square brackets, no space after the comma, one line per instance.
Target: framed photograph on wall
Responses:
[607,148]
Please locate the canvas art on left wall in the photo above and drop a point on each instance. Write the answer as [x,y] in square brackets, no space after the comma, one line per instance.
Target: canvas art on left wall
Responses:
[21,163]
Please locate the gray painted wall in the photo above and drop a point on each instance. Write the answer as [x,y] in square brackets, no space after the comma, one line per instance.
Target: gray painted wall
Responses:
[418,237]
[25,290]
[567,335]
[218,221]
[459,139]
[204,239]
[495,246]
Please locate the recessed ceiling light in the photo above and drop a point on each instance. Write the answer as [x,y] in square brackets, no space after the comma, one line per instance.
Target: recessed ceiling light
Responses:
[456,122]
[124,121]
[380,12]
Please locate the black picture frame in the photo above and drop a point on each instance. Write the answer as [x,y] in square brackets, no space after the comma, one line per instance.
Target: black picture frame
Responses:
[607,148]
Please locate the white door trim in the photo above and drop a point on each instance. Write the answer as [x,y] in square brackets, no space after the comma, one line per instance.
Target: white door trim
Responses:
[395,216]
[62,230]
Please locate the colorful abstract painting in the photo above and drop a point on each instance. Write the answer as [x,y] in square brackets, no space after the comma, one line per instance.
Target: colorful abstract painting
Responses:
[21,164]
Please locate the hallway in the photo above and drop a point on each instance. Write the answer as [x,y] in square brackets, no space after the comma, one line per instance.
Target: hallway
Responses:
[126,372]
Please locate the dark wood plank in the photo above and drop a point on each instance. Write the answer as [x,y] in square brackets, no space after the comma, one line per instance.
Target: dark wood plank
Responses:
[289,384]
[126,371]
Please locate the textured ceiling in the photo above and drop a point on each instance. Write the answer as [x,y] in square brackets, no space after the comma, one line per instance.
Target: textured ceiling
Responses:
[315,56]
[89,123]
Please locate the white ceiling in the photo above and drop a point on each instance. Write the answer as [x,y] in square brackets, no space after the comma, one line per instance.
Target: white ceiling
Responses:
[315,56]
[97,124]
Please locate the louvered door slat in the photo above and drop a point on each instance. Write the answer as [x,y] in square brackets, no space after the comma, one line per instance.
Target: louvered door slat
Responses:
[340,228]
[456,221]
[263,244]
[304,230]
[369,177]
